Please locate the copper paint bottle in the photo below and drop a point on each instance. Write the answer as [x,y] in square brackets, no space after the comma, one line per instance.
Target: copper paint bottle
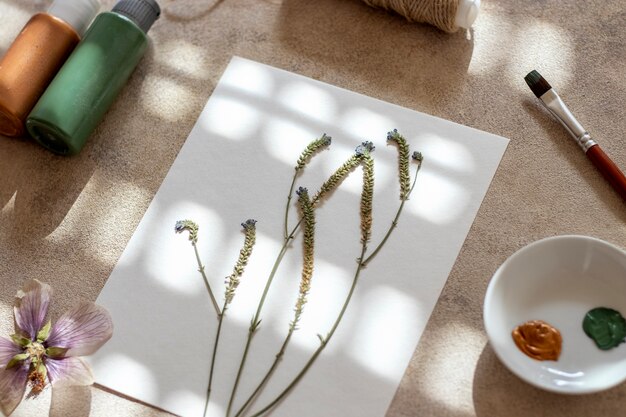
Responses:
[36,55]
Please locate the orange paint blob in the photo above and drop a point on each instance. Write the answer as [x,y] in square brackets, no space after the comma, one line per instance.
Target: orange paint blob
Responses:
[539,340]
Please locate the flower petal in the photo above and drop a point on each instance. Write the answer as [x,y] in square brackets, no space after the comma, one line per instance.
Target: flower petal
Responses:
[68,371]
[8,349]
[12,387]
[82,330]
[31,307]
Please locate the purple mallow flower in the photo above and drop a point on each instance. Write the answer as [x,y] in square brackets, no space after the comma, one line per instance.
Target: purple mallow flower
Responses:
[39,353]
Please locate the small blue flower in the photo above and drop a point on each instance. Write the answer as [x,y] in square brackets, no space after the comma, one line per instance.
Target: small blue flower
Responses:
[417,156]
[364,148]
[248,224]
[392,135]
[302,190]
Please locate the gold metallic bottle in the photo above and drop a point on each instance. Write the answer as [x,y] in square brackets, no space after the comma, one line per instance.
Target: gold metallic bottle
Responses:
[36,55]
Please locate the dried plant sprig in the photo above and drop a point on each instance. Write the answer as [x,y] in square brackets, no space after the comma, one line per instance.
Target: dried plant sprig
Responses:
[232,282]
[335,179]
[192,228]
[255,322]
[331,183]
[309,253]
[342,172]
[418,158]
[308,215]
[362,263]
[403,162]
[323,340]
[312,148]
[367,196]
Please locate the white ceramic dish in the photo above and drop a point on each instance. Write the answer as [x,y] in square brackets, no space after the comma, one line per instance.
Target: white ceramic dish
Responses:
[558,280]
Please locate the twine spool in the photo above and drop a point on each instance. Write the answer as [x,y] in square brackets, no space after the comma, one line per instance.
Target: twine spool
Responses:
[447,15]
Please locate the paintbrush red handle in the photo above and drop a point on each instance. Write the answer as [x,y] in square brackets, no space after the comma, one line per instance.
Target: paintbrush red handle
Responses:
[609,170]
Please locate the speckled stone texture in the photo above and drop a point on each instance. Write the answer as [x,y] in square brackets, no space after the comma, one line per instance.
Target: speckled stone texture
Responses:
[67,220]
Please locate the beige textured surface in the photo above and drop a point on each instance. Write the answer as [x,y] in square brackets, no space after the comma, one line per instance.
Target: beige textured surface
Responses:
[67,220]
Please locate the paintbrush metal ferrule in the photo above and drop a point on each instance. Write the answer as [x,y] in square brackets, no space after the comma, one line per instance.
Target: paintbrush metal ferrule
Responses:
[557,107]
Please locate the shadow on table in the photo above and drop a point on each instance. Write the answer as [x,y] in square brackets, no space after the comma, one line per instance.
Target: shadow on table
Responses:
[498,392]
[428,65]
[44,187]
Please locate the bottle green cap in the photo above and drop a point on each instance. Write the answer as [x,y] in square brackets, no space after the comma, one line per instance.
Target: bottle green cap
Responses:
[143,12]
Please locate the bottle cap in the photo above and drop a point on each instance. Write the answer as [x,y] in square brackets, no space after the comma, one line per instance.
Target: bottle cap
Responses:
[143,12]
[76,13]
[466,13]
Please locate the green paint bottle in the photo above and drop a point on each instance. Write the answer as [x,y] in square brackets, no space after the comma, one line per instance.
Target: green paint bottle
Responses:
[92,77]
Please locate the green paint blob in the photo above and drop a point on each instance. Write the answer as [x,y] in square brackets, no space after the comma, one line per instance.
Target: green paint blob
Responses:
[605,326]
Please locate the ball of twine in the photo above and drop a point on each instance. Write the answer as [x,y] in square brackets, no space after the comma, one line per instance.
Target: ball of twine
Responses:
[439,13]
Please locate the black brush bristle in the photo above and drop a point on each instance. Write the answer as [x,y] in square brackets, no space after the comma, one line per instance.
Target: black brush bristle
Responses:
[537,83]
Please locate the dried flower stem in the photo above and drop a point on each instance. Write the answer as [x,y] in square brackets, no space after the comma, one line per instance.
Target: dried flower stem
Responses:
[403,162]
[305,285]
[335,179]
[303,160]
[367,196]
[323,341]
[293,183]
[192,228]
[255,322]
[363,153]
[417,157]
[232,282]
[361,263]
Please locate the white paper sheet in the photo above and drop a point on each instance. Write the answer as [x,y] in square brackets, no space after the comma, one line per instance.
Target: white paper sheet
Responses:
[237,164]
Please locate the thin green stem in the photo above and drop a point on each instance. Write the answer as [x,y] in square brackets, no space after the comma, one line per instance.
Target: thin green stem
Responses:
[268,374]
[217,341]
[254,323]
[293,183]
[206,281]
[394,223]
[324,340]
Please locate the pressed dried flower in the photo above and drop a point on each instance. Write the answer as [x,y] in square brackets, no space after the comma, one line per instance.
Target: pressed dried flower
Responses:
[232,281]
[308,214]
[40,352]
[367,195]
[190,226]
[335,179]
[312,147]
[307,153]
[342,172]
[403,162]
[193,227]
[417,156]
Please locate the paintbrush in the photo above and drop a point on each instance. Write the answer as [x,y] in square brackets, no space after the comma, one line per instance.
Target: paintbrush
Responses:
[557,107]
